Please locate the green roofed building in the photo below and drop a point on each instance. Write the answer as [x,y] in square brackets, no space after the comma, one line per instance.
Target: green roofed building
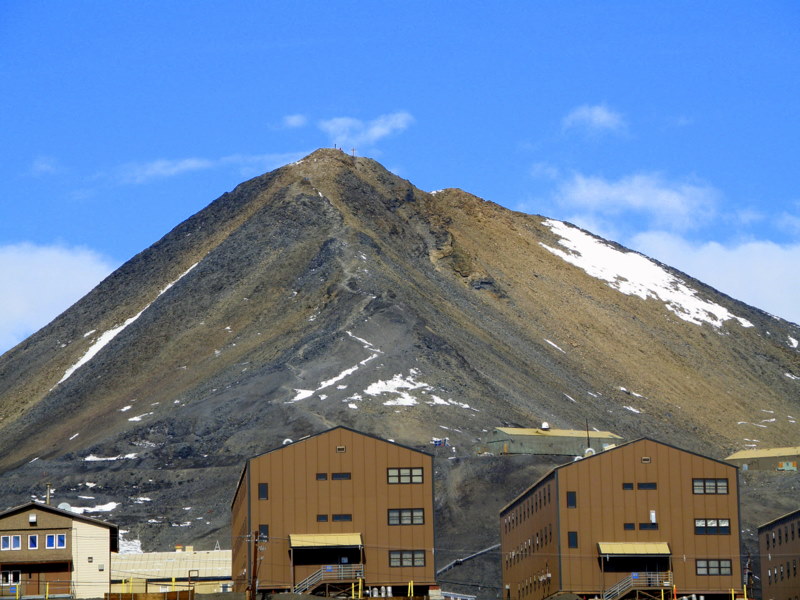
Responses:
[572,442]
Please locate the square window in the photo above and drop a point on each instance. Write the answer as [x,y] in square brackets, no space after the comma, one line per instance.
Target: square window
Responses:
[404,475]
[322,476]
[322,518]
[627,486]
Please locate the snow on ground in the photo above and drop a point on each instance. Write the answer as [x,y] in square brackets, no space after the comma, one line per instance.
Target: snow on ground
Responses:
[792,342]
[73,436]
[92,509]
[790,376]
[93,458]
[109,335]
[632,409]
[554,345]
[129,546]
[636,275]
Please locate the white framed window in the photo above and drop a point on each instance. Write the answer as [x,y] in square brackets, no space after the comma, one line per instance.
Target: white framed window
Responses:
[10,542]
[9,577]
[33,542]
[56,540]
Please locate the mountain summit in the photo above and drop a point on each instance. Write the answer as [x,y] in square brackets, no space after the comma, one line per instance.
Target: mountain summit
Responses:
[332,292]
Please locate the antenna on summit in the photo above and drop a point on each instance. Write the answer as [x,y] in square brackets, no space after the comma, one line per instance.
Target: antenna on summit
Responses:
[353,150]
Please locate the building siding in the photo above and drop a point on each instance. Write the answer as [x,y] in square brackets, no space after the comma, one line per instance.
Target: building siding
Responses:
[296,497]
[602,507]
[779,547]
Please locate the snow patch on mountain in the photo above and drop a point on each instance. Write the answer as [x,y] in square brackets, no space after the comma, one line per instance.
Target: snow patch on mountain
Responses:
[636,275]
[106,337]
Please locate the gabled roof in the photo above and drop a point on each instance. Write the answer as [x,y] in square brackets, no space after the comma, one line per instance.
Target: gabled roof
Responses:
[788,516]
[114,529]
[308,437]
[554,470]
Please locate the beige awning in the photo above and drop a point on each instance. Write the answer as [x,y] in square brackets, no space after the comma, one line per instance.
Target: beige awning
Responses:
[324,540]
[633,548]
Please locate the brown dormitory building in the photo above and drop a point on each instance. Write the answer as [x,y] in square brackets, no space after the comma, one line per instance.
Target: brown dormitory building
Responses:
[779,547]
[641,518]
[340,510]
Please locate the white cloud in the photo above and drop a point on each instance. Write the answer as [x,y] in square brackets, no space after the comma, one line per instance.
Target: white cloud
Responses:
[44,165]
[347,131]
[761,273]
[593,119]
[675,205]
[544,170]
[39,282]
[247,164]
[293,121]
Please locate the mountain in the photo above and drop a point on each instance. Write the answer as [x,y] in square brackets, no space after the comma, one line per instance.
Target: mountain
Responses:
[332,292]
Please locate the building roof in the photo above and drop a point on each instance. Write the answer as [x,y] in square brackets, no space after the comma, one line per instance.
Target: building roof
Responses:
[303,439]
[788,516]
[322,540]
[634,548]
[578,433]
[166,565]
[765,453]
[554,470]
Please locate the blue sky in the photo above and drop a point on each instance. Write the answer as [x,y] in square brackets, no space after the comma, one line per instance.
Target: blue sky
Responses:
[670,127]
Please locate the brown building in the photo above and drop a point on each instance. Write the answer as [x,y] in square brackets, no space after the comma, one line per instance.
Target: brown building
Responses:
[779,547]
[46,551]
[640,516]
[334,509]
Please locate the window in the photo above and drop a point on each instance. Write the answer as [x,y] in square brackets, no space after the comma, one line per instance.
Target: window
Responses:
[340,476]
[322,518]
[572,539]
[263,491]
[650,526]
[9,577]
[627,486]
[646,460]
[710,486]
[572,500]
[406,516]
[405,475]
[5,542]
[407,558]
[713,567]
[647,485]
[712,526]
[322,476]
[33,542]
[263,532]
[629,526]
[16,542]
[56,540]
[342,517]
[341,449]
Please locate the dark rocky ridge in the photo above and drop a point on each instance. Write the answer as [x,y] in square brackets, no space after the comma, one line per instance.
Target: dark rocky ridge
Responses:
[333,263]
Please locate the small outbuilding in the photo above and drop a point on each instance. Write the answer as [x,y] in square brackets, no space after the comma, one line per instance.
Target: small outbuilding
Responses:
[767,459]
[570,442]
[201,571]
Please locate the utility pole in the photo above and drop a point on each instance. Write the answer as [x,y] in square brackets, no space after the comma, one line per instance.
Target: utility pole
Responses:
[253,572]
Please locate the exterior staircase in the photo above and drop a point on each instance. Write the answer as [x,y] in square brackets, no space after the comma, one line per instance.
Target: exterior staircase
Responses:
[638,581]
[329,573]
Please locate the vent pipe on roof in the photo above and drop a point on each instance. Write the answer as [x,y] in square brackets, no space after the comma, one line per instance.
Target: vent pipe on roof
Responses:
[47,494]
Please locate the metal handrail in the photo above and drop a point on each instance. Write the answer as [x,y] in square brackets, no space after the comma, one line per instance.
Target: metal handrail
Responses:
[330,573]
[638,580]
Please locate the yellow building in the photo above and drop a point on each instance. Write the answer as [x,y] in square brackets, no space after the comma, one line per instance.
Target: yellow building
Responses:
[767,459]
[205,571]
